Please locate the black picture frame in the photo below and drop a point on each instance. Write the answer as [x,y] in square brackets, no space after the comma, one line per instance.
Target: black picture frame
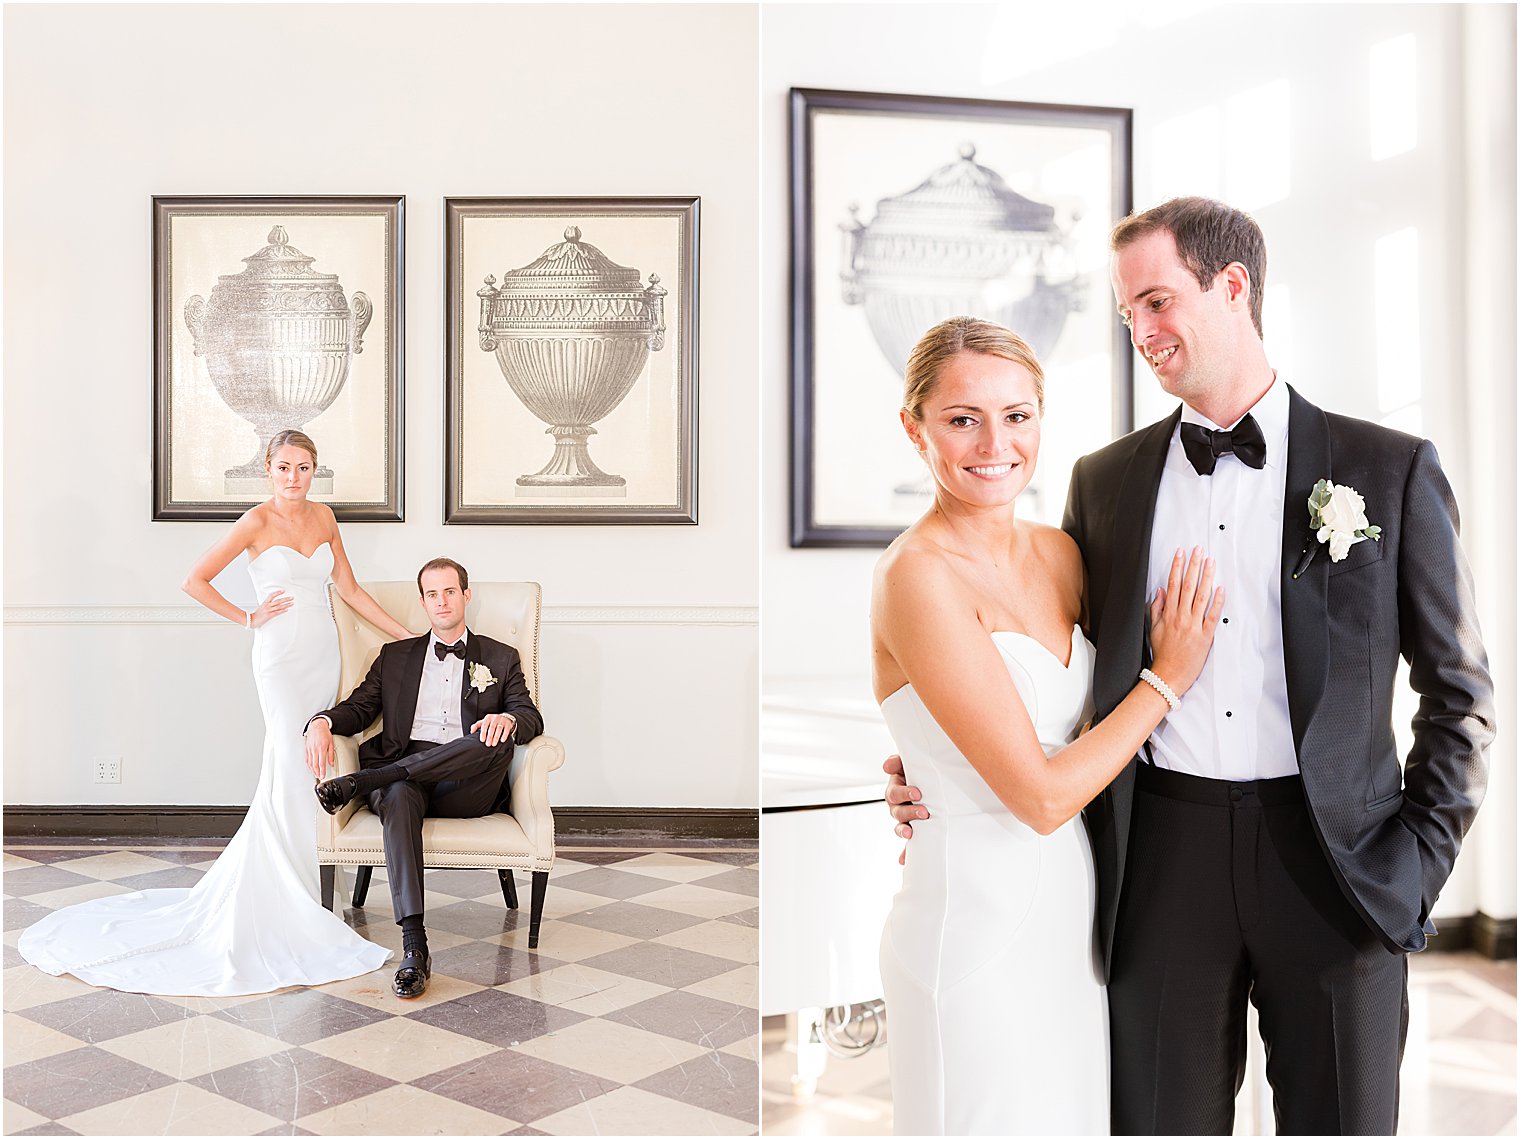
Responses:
[337,346]
[495,427]
[853,119]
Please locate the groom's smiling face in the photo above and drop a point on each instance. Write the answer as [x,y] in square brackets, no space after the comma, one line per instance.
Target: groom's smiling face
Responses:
[444,603]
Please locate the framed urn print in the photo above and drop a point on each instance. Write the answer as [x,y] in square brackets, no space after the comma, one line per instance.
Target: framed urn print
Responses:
[907,210]
[272,313]
[572,360]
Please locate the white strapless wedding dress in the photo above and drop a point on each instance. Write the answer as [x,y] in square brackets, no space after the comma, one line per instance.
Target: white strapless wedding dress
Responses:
[997,1017]
[253,923]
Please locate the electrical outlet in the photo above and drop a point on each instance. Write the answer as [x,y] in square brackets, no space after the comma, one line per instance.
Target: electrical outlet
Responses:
[108,770]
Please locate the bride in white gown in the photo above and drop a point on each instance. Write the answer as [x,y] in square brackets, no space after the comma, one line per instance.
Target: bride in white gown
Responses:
[253,923]
[997,1013]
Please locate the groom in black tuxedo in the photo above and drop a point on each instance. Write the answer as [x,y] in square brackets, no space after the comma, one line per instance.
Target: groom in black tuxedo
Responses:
[454,703]
[1264,845]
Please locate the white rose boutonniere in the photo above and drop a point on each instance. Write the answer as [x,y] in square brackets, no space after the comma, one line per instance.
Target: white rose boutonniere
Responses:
[480,677]
[1339,517]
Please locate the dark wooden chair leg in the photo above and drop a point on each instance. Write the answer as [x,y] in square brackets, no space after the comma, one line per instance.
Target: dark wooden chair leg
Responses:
[536,913]
[328,875]
[508,887]
[361,884]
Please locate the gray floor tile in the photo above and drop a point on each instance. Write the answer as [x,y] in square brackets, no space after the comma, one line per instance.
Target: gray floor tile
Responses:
[300,1016]
[604,881]
[106,1014]
[292,1084]
[77,1081]
[487,963]
[687,1016]
[662,964]
[633,919]
[516,1086]
[498,1018]
[729,1085]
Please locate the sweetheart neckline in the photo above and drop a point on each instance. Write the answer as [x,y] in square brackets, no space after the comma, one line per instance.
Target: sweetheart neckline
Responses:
[1071,656]
[1071,644]
[292,549]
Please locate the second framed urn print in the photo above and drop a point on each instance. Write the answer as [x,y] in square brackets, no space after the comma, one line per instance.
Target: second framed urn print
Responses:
[572,360]
[276,313]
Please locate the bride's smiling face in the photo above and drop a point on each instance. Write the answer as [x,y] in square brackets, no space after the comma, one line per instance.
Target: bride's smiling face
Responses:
[979,430]
[290,472]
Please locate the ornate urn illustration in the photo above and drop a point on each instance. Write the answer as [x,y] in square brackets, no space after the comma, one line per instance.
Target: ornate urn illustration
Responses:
[278,339]
[571,332]
[963,242]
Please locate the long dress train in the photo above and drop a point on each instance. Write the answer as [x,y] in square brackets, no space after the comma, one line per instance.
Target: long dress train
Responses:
[997,1017]
[253,923]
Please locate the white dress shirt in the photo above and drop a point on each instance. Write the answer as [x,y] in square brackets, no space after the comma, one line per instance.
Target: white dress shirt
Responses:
[1233,723]
[438,695]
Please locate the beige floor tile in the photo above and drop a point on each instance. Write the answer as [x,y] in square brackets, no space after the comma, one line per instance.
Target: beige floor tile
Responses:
[566,941]
[188,1048]
[570,983]
[16,862]
[631,1111]
[18,1118]
[741,987]
[113,864]
[216,1004]
[697,900]
[177,1109]
[26,987]
[613,1051]
[559,902]
[718,938]
[673,867]
[12,937]
[73,895]
[374,991]
[842,1115]
[405,1110]
[401,1049]
[388,934]
[27,1040]
[746,1047]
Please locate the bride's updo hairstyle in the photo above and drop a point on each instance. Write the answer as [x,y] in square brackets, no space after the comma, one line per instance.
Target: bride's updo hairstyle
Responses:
[948,339]
[290,438]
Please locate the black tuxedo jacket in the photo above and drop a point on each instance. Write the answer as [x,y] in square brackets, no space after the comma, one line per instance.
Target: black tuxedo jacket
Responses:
[1390,844]
[390,690]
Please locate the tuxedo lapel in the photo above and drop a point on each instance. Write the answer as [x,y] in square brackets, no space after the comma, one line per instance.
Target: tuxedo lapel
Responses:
[469,699]
[1121,634]
[1306,636]
[405,701]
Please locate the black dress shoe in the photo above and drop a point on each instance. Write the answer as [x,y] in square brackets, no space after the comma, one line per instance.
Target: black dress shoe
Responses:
[334,793]
[412,976]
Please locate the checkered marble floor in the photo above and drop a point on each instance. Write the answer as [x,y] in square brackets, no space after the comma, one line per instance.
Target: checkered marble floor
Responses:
[636,1014]
[1458,1076]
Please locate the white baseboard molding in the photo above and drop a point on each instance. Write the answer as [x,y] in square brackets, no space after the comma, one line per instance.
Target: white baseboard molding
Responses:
[719,615]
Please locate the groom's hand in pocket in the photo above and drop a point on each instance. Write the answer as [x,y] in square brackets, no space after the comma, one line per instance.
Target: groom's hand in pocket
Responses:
[902,800]
[319,747]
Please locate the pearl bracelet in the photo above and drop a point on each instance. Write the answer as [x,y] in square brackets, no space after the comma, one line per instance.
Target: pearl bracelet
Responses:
[1161,686]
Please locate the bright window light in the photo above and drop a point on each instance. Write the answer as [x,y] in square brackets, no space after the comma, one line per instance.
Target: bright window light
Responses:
[1396,270]
[1185,156]
[1277,323]
[1393,87]
[1257,126]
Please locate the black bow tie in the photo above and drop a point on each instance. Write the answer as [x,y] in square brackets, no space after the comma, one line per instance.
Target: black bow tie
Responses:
[443,650]
[1203,447]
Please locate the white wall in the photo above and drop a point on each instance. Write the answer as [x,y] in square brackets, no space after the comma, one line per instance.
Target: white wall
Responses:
[649,642]
[1187,71]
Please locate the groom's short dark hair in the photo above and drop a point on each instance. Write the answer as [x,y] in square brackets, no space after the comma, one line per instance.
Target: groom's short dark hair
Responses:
[1209,236]
[445,563]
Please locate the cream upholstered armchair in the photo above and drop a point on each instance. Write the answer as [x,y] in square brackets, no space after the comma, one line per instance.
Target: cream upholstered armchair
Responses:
[522,840]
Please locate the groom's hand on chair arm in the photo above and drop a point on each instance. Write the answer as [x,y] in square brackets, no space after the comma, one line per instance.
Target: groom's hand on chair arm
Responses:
[902,800]
[494,728]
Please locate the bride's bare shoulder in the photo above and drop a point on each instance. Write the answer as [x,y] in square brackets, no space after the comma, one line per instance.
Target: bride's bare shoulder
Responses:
[913,570]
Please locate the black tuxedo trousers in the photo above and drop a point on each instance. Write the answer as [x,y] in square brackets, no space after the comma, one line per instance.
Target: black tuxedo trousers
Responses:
[461,779]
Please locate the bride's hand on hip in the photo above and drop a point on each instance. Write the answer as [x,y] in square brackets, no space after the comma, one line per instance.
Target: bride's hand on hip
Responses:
[902,800]
[1184,615]
[270,608]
